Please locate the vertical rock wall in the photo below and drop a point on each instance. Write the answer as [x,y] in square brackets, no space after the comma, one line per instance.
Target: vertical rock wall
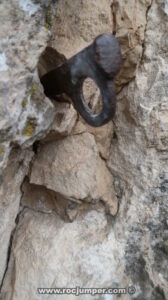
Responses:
[94,201]
[25,113]
[138,161]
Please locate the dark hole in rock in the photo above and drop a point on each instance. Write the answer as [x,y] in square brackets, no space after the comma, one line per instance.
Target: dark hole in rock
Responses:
[115,135]
[35,147]
[49,60]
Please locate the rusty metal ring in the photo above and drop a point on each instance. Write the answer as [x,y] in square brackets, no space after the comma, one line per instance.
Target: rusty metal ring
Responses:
[100,61]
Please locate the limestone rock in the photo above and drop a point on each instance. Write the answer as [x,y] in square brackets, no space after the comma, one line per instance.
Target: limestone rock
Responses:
[47,252]
[138,161]
[41,199]
[102,135]
[129,24]
[25,113]
[78,22]
[64,121]
[72,167]
[10,194]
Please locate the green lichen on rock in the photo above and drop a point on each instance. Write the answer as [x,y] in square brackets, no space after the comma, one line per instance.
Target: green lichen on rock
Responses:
[33,89]
[48,19]
[30,126]
[1,150]
[36,94]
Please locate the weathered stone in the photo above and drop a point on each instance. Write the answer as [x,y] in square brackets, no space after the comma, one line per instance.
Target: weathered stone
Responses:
[10,194]
[129,24]
[138,161]
[41,199]
[64,121]
[73,168]
[78,22]
[25,113]
[103,136]
[57,254]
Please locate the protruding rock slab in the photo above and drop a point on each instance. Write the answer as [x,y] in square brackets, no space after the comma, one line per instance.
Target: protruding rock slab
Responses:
[73,168]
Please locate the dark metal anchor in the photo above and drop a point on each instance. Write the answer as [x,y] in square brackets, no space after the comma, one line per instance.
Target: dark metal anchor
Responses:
[100,61]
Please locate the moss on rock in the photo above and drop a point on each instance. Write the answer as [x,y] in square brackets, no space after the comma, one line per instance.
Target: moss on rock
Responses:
[1,150]
[30,126]
[33,90]
[48,20]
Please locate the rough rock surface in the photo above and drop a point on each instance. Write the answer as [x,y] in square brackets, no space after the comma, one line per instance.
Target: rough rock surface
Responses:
[138,161]
[48,249]
[96,249]
[78,23]
[73,168]
[25,113]
[129,24]
[10,194]
[102,135]
[64,121]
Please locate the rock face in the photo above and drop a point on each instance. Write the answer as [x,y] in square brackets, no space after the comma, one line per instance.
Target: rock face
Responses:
[78,23]
[65,234]
[129,24]
[81,250]
[25,113]
[10,195]
[142,149]
[73,168]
